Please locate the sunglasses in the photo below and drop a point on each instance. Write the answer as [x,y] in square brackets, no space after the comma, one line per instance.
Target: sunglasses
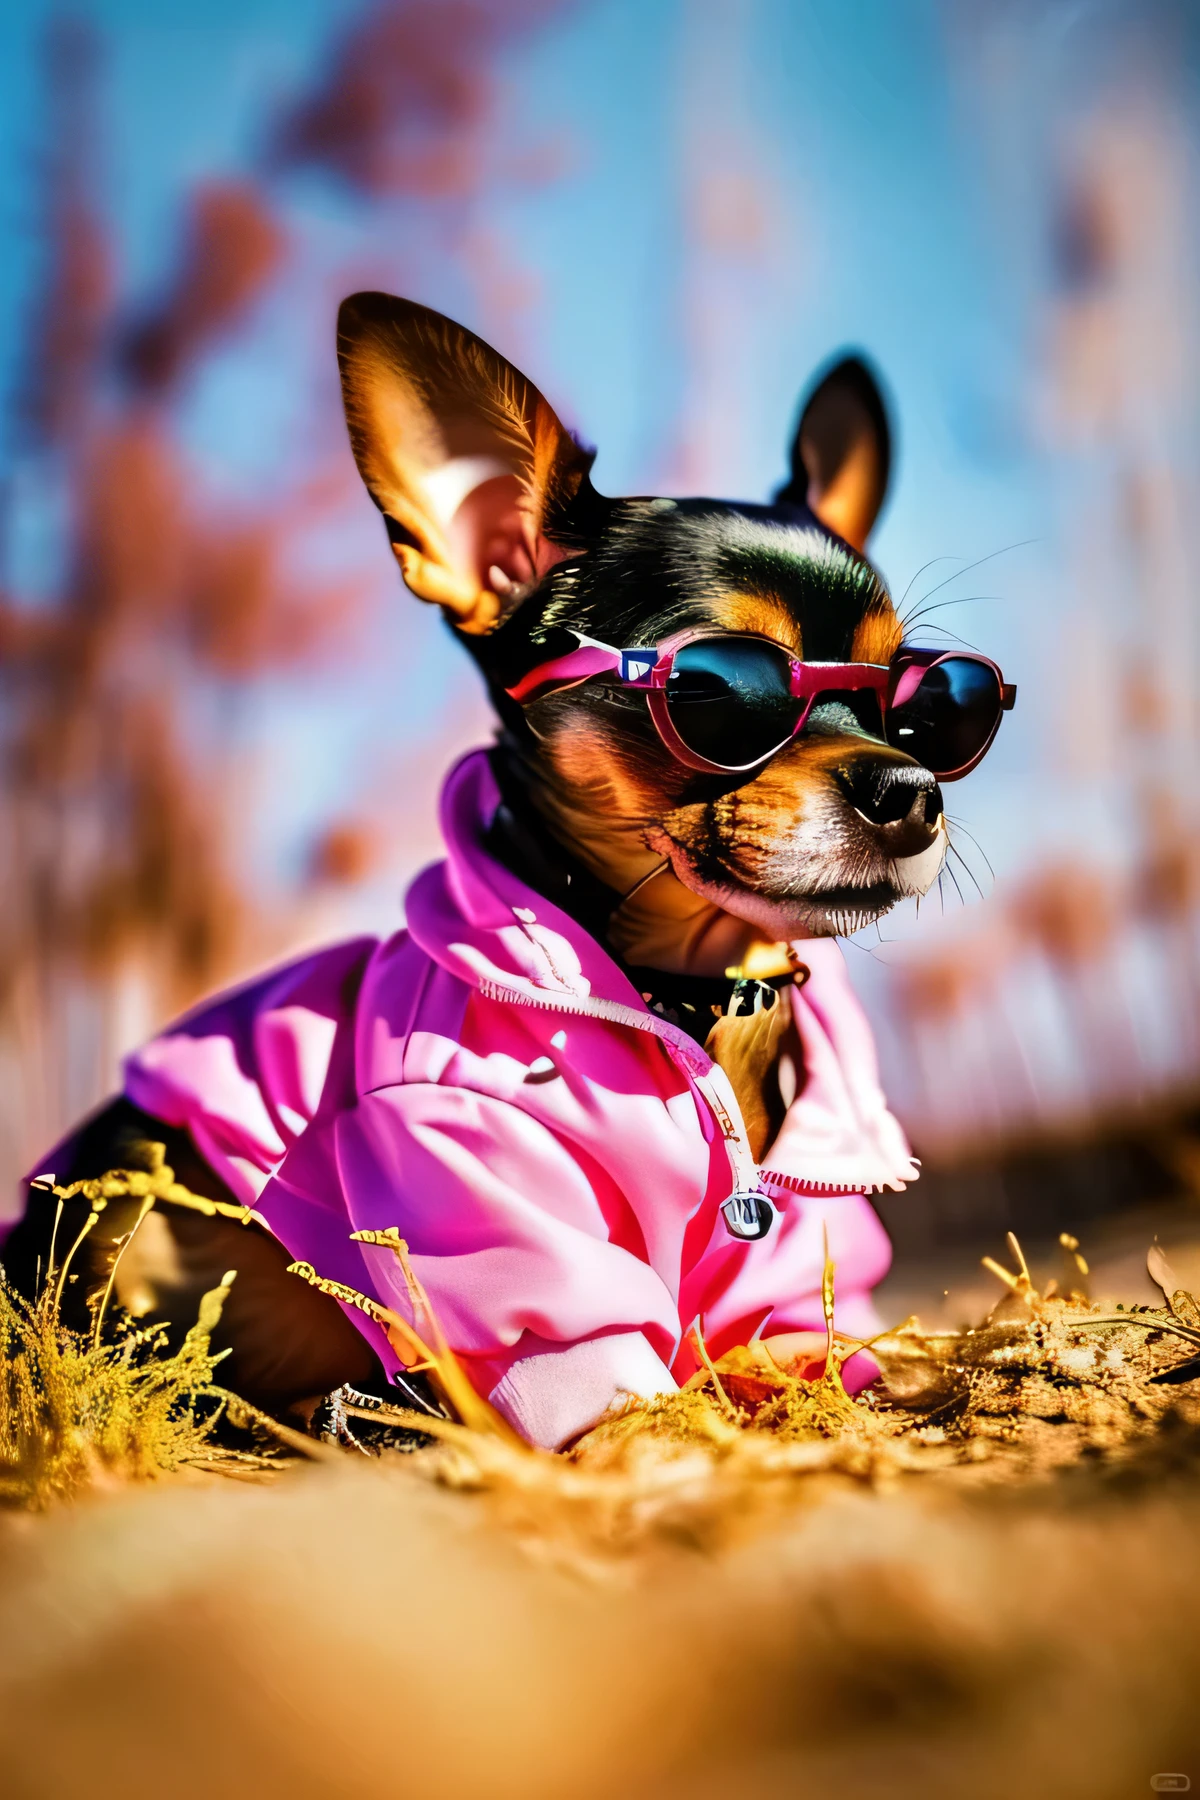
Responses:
[726,702]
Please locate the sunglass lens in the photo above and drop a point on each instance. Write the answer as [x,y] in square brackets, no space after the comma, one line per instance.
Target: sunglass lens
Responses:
[730,700]
[951,717]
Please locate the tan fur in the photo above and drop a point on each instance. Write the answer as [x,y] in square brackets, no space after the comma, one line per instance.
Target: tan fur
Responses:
[763,613]
[749,1048]
[848,504]
[845,462]
[603,818]
[879,635]
[603,822]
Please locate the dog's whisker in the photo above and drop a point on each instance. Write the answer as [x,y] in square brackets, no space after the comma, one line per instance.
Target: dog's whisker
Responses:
[954,636]
[956,822]
[924,612]
[960,600]
[965,865]
[954,878]
[951,850]
[1005,550]
[933,561]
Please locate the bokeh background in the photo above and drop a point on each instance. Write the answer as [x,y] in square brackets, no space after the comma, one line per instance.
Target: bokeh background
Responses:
[223,722]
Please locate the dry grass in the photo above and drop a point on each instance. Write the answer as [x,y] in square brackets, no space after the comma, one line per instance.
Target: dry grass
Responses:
[1046,1381]
[85,1409]
[76,1412]
[1049,1385]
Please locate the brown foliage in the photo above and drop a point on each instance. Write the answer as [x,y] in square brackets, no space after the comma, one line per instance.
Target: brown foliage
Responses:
[159,610]
[114,807]
[1069,911]
[344,853]
[404,92]
[69,324]
[1168,881]
[232,246]
[118,840]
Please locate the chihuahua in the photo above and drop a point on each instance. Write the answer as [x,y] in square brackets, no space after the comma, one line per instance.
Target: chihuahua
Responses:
[714,746]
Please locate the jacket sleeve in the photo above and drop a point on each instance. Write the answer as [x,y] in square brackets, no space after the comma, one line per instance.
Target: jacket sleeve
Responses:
[244,1072]
[509,1237]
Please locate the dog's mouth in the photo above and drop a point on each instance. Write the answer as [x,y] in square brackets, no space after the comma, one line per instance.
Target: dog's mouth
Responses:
[837,911]
[825,912]
[826,908]
[822,843]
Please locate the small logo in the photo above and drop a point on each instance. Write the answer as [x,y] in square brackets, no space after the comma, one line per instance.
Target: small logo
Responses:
[1171,1784]
[637,664]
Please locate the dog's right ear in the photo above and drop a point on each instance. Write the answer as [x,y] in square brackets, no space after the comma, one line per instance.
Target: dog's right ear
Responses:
[462,455]
[842,453]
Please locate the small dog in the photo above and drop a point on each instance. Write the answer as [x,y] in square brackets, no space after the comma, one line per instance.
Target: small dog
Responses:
[715,750]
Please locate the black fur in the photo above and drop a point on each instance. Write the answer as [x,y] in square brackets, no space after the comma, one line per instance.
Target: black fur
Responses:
[649,567]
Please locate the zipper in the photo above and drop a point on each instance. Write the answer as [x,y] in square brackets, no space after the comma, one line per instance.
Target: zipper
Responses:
[616,1012]
[709,1077]
[728,1114]
[824,1189]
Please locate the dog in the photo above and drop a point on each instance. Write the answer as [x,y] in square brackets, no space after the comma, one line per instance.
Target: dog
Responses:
[716,753]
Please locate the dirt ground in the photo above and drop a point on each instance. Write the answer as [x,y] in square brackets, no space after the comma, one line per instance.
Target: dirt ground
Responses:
[357,1629]
[951,1288]
[445,1626]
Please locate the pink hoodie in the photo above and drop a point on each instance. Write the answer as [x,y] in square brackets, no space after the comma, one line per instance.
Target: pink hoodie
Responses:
[555,1154]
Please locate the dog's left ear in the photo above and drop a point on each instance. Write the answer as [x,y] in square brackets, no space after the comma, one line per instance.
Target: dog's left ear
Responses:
[842,452]
[467,462]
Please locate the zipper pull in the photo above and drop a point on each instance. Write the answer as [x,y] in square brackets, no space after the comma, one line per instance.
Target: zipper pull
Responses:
[748,1216]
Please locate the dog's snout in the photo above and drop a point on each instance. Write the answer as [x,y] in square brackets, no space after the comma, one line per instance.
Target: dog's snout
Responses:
[902,801]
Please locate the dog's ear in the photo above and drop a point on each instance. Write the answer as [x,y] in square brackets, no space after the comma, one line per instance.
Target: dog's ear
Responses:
[461,454]
[842,452]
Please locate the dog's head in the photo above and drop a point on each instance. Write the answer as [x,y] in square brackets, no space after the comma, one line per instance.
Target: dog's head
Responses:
[491,514]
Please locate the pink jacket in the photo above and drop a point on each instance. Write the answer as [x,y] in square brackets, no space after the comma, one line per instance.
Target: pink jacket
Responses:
[555,1154]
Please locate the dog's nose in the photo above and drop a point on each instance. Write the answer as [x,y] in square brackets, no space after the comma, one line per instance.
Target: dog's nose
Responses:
[901,800]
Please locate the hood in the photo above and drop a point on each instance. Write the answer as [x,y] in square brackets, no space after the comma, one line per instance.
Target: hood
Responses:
[483,924]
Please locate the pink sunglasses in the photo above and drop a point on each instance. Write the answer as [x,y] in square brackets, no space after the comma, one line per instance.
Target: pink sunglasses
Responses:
[724,702]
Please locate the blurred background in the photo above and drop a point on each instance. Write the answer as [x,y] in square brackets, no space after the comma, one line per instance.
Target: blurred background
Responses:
[224,722]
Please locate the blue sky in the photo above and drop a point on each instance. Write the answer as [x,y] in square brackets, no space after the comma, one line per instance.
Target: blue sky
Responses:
[877,225]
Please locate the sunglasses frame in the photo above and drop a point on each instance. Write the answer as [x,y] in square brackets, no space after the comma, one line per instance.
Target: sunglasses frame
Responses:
[648,670]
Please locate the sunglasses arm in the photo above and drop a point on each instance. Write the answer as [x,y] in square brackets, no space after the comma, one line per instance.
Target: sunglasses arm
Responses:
[590,657]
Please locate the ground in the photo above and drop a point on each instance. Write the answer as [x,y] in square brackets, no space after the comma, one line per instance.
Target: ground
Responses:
[779,1617]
